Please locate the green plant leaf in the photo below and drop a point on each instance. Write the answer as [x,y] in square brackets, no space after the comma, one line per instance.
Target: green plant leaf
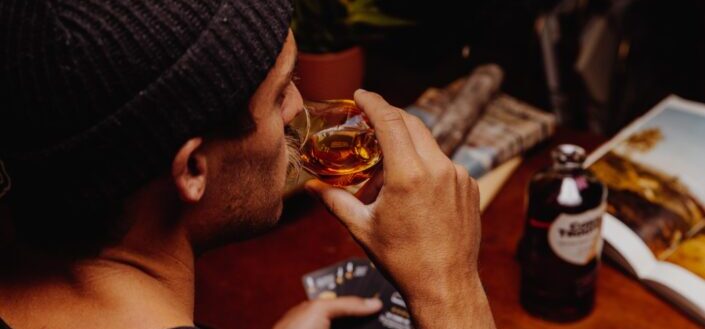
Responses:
[359,5]
[378,19]
[335,25]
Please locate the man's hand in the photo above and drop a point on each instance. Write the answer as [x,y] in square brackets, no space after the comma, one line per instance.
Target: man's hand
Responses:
[419,221]
[319,313]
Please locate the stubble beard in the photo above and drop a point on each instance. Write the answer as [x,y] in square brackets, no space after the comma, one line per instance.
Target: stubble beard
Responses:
[256,209]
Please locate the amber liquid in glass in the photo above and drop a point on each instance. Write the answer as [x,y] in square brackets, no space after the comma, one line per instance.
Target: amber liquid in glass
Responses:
[341,155]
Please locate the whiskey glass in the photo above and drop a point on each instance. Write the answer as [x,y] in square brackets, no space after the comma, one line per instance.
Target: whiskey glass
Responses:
[337,144]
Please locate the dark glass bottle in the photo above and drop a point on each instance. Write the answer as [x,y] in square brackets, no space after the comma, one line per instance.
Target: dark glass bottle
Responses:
[560,250]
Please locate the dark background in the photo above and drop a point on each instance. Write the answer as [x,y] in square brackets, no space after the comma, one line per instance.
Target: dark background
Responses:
[667,50]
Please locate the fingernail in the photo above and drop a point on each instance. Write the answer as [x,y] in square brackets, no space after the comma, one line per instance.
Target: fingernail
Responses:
[360,90]
[373,302]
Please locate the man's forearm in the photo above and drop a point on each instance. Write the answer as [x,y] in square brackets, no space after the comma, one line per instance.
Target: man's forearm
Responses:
[462,305]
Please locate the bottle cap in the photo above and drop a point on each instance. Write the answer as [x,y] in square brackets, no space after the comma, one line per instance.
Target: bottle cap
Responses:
[568,155]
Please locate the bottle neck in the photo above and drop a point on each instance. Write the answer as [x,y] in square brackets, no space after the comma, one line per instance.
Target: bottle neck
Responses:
[567,166]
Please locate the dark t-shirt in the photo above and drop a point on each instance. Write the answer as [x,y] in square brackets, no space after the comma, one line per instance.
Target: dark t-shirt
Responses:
[4,325]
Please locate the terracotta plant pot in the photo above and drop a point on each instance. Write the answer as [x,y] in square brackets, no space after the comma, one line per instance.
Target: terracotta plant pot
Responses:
[330,75]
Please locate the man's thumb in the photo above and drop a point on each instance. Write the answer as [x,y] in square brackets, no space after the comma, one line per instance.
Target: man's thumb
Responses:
[349,210]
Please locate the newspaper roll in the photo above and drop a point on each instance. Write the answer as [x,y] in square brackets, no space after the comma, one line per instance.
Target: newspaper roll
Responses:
[465,109]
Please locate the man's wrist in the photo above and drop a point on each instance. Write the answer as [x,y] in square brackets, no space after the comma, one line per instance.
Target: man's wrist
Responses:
[451,304]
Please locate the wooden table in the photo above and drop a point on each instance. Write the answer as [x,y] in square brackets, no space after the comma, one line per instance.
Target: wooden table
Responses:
[252,283]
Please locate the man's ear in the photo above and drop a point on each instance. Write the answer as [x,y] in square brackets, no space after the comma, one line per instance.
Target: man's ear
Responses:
[189,171]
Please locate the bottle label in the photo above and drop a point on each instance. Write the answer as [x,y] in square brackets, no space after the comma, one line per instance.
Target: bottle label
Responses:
[576,238]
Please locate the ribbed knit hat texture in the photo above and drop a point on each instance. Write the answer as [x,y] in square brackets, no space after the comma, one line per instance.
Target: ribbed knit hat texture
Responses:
[97,95]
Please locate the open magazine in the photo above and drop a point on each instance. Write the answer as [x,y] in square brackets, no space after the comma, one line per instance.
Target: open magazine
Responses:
[655,222]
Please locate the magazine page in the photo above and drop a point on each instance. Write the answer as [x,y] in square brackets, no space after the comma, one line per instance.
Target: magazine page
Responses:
[681,286]
[631,251]
[654,172]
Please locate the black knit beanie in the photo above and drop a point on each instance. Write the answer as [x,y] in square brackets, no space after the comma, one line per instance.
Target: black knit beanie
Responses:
[98,95]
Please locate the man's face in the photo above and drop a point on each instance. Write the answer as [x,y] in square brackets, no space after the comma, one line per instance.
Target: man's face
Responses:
[246,176]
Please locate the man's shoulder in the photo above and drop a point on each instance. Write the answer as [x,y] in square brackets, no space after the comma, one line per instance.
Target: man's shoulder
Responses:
[4,325]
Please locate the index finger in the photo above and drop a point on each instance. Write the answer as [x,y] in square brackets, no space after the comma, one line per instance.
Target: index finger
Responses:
[390,130]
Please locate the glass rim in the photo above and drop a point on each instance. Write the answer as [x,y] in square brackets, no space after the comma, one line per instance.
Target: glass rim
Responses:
[305,111]
[331,101]
[309,107]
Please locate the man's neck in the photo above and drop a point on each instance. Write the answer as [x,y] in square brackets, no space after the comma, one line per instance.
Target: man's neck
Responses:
[119,289]
[147,281]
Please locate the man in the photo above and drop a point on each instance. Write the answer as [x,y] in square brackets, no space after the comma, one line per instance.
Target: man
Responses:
[138,134]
